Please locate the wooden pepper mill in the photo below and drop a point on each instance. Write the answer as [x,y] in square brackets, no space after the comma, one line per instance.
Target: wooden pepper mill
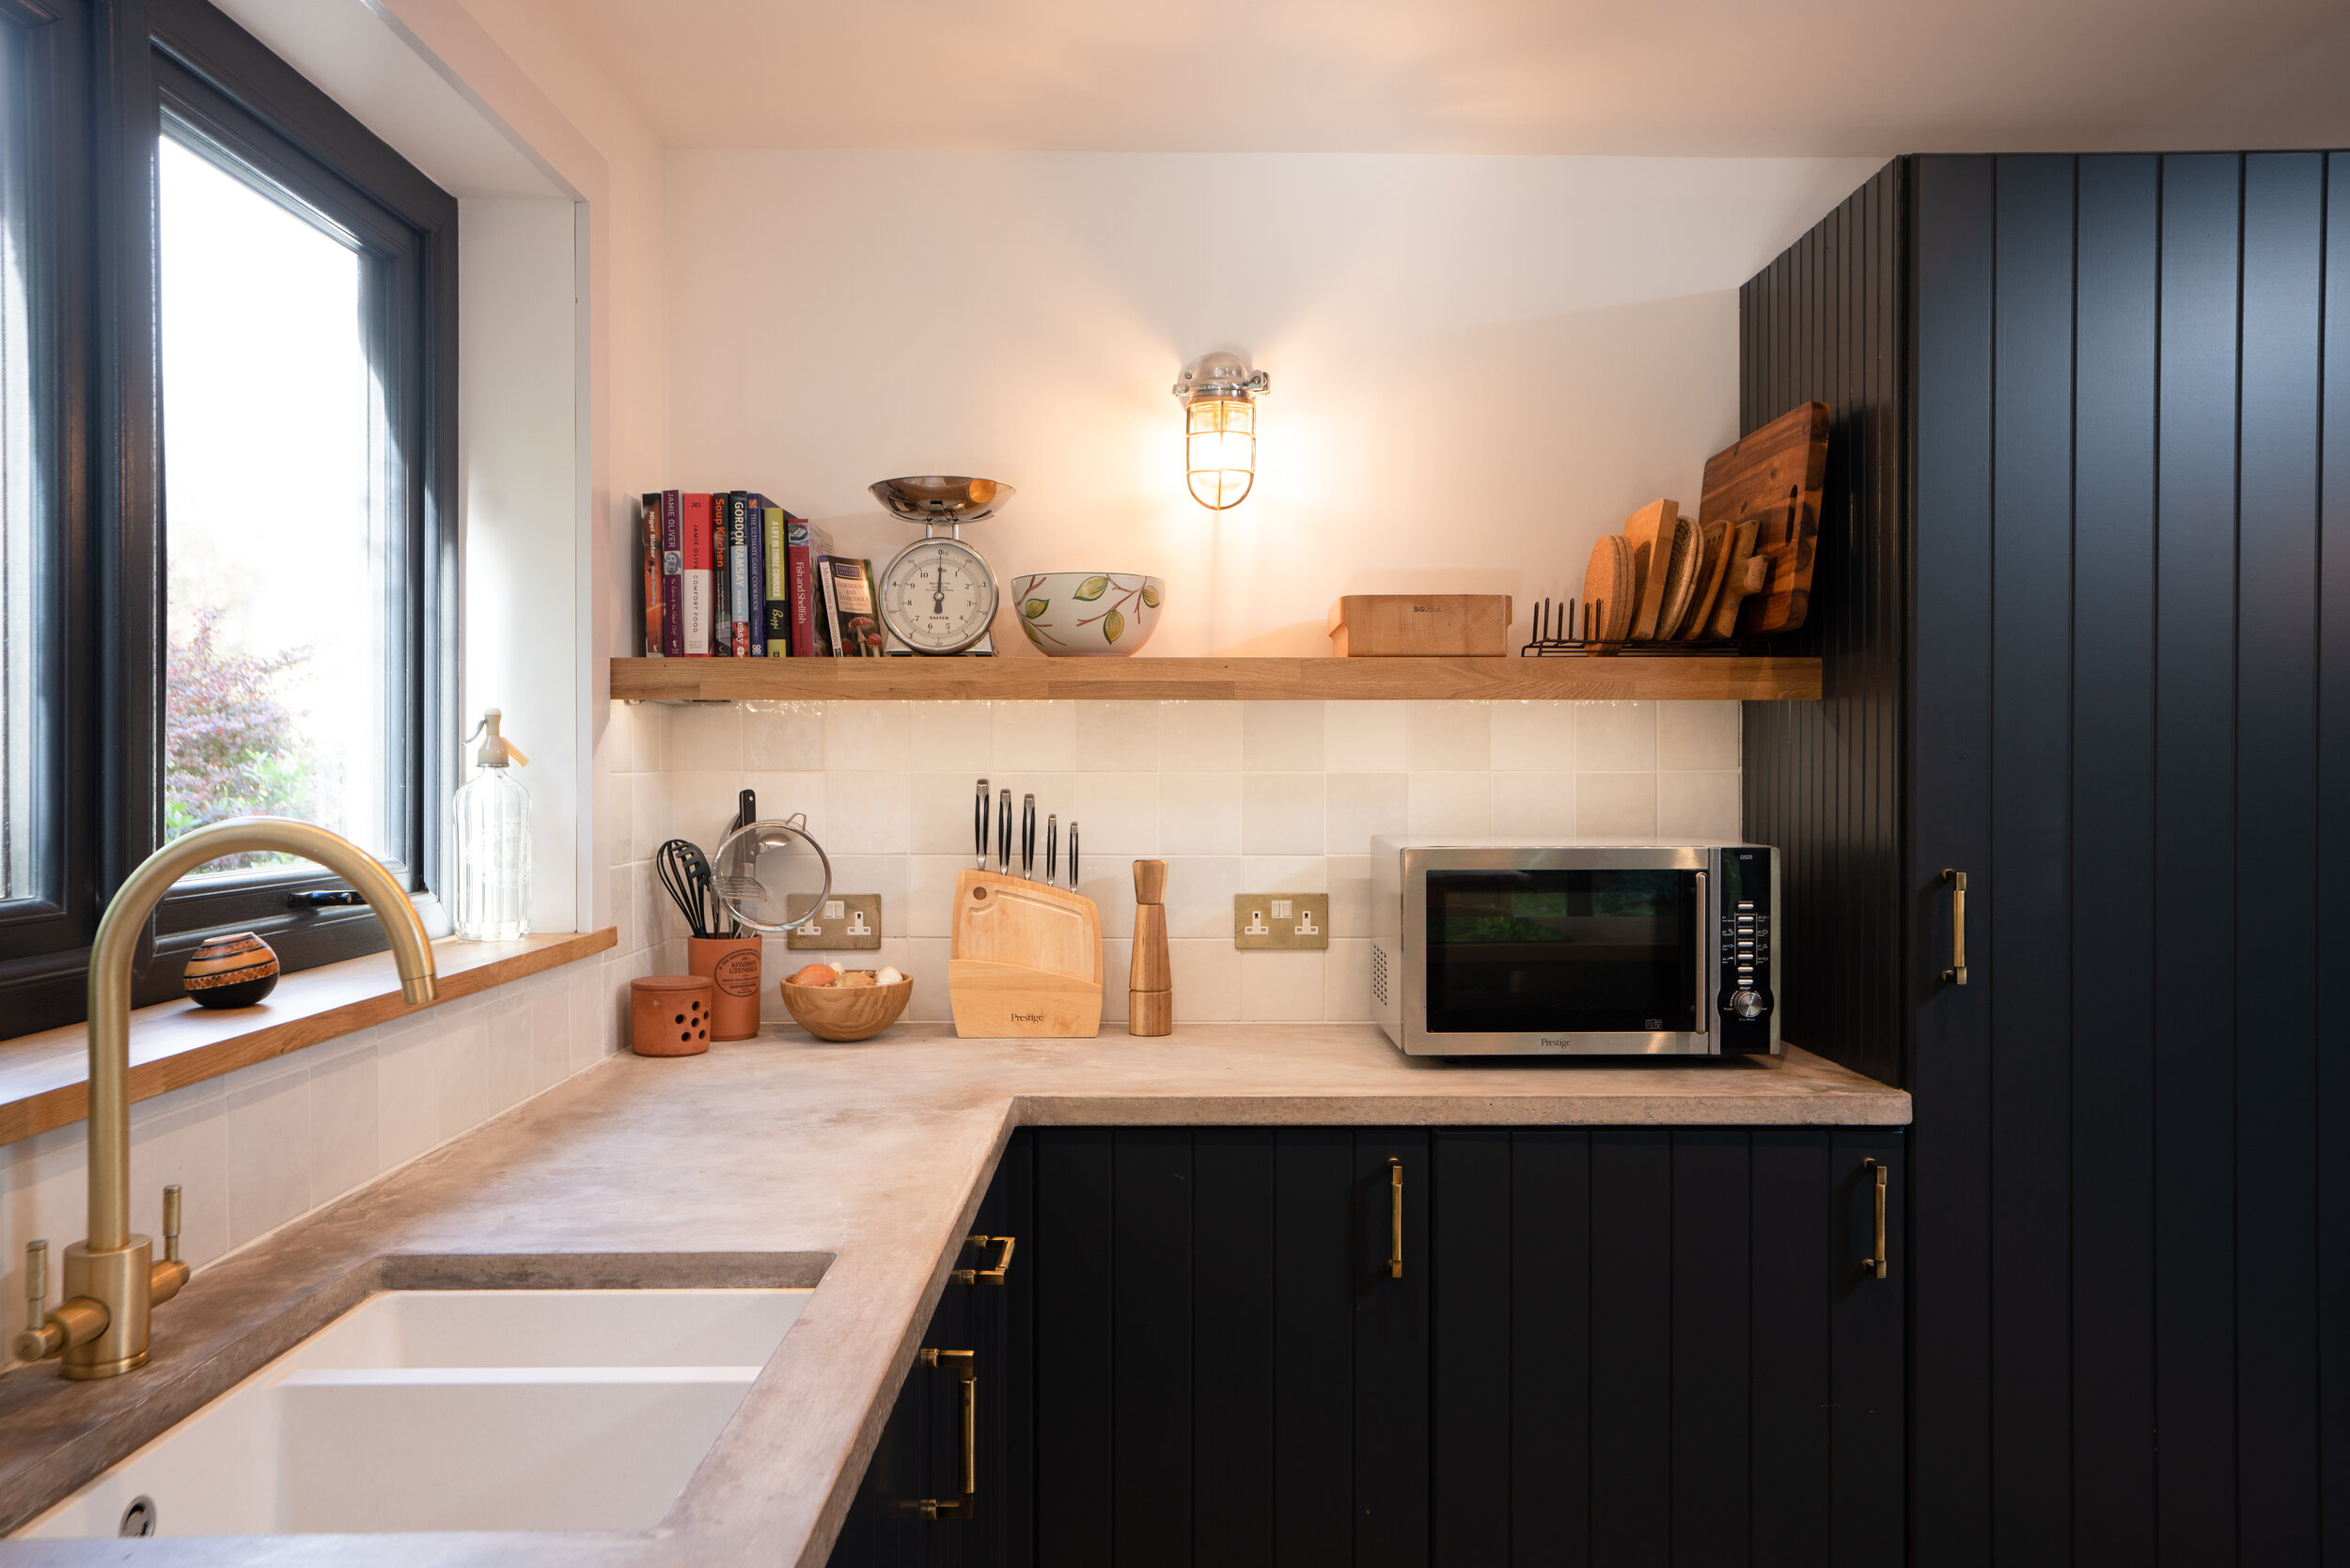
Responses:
[1149,981]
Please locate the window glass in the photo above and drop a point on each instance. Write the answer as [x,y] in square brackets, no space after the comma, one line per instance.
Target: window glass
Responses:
[275,506]
[21,635]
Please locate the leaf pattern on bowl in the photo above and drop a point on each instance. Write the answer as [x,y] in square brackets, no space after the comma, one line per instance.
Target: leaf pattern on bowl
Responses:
[1035,608]
[1092,589]
[1150,596]
[1112,624]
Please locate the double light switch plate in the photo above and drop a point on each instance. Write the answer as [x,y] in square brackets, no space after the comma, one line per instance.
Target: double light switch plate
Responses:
[848,923]
[1294,920]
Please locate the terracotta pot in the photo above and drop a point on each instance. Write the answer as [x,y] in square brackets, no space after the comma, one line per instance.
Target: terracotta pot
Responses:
[668,1015]
[730,964]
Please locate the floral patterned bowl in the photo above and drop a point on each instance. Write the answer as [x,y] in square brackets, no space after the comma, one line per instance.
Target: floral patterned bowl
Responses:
[1089,615]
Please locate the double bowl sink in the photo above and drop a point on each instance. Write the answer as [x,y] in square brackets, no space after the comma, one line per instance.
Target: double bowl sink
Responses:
[455,1410]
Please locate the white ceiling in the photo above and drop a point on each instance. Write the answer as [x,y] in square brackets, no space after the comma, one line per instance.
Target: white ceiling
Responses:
[1712,77]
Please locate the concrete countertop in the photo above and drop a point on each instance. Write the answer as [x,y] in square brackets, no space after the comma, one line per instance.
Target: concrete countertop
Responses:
[783,1161]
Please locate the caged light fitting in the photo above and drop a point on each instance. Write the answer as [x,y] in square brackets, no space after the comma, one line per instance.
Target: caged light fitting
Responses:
[1219,395]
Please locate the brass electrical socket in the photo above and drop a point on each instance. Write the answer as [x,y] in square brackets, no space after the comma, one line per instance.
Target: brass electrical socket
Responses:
[1292,920]
[848,923]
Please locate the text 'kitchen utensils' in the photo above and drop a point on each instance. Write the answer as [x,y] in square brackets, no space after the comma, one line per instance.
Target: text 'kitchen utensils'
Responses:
[1026,957]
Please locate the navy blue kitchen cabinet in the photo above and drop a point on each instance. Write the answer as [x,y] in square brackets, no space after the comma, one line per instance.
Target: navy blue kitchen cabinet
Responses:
[919,1459]
[1603,1346]
[2083,608]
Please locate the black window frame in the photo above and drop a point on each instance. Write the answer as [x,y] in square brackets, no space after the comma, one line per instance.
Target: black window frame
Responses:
[103,74]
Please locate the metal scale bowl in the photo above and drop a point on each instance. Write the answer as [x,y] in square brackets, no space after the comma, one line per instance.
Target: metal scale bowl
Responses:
[938,594]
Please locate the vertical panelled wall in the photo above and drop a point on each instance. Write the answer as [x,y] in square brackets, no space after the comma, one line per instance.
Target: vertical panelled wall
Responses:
[1822,780]
[2131,724]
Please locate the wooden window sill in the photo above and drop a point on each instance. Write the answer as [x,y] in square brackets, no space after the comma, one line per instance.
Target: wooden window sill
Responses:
[44,1078]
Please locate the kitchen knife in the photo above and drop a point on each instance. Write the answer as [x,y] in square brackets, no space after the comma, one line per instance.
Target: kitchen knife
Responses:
[1003,834]
[1072,854]
[1027,837]
[979,824]
[1052,833]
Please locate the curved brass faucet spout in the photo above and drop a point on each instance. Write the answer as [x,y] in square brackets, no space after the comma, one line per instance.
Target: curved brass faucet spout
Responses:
[101,1330]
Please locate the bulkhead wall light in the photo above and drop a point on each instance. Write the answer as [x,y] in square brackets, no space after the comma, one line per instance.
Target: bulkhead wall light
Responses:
[1220,395]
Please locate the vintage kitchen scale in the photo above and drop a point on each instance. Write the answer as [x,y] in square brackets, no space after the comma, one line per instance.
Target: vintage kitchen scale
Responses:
[938,594]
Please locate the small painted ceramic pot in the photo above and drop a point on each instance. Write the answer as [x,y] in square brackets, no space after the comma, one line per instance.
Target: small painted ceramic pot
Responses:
[231,971]
[1087,614]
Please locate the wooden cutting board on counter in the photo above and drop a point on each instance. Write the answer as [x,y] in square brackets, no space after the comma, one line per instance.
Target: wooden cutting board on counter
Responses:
[1772,478]
[1025,960]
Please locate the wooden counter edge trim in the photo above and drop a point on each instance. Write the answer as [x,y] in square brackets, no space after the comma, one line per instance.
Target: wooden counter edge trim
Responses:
[1762,679]
[288,1026]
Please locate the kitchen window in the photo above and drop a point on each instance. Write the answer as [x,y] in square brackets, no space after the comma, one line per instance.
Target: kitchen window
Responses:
[227,377]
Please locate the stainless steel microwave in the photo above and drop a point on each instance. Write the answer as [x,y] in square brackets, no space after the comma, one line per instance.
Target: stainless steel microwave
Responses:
[1594,947]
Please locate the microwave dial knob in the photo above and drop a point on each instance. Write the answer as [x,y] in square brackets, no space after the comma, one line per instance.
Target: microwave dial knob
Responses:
[1747,1004]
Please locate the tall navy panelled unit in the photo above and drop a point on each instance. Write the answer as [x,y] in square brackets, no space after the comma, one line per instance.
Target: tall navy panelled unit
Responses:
[2084,603]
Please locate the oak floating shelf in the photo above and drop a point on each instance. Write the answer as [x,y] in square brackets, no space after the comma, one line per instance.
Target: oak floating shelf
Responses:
[1625,678]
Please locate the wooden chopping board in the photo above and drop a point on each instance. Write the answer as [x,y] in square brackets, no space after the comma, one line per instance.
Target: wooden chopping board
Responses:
[1712,565]
[1025,960]
[1683,565]
[1772,478]
[1649,533]
[1608,589]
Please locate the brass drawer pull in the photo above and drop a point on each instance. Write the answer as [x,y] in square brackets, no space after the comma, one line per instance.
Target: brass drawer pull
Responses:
[1874,1264]
[1395,1218]
[962,1507]
[1956,973]
[992,1275]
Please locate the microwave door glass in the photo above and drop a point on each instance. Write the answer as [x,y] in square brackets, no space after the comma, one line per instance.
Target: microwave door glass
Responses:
[1514,952]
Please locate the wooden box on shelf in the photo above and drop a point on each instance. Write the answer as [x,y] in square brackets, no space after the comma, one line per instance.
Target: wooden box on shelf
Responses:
[1421,625]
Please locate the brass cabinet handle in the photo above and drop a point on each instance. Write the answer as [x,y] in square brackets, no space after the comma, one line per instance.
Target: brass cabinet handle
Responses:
[1874,1264]
[962,1507]
[1395,1218]
[1956,973]
[991,1276]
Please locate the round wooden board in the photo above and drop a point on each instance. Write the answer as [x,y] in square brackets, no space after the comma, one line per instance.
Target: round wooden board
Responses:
[1683,563]
[1607,589]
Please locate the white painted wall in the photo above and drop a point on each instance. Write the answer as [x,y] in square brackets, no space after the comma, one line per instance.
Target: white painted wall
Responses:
[1479,364]
[519,452]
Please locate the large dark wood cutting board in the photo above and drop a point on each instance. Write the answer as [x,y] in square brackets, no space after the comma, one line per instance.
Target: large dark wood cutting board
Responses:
[1772,478]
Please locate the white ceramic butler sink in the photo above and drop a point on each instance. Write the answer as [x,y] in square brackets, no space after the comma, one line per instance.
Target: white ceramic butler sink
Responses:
[437,1410]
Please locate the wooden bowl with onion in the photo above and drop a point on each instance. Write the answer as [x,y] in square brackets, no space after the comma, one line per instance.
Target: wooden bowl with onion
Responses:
[846,1013]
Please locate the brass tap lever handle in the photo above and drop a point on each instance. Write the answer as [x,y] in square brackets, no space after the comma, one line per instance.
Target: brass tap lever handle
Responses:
[1873,1266]
[987,1275]
[76,1322]
[963,1507]
[1395,1218]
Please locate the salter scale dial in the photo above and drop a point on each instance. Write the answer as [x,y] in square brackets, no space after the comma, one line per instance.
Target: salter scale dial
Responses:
[939,595]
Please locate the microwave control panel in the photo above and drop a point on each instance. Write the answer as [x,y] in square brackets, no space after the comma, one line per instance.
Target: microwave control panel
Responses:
[1745,994]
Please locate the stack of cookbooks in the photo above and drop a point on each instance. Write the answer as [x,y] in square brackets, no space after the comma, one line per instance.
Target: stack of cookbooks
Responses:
[728,573]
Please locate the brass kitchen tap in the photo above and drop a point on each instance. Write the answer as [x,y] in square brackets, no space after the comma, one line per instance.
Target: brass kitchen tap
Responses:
[110,1283]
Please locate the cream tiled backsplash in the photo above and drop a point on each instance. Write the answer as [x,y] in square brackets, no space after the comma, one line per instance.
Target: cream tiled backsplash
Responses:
[1236,796]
